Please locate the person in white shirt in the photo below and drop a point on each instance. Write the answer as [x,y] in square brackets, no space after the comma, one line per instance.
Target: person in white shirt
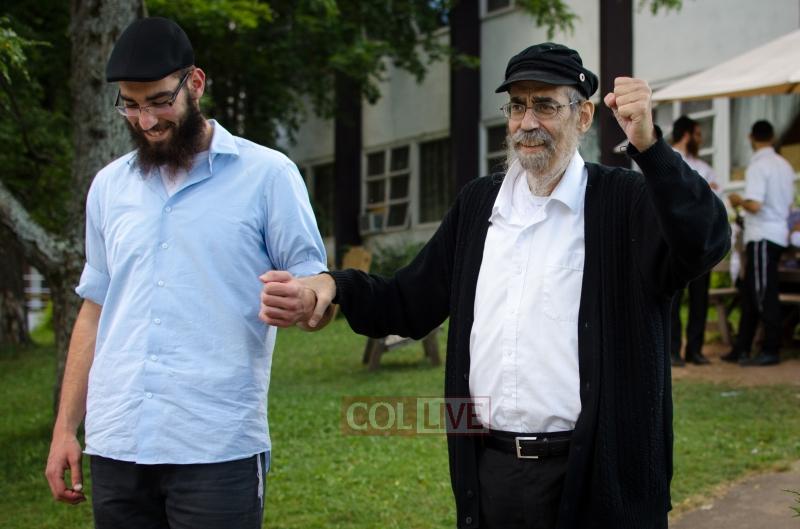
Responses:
[768,197]
[687,137]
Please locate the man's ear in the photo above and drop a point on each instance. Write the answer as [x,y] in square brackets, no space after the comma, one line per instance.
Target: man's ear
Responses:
[586,116]
[197,83]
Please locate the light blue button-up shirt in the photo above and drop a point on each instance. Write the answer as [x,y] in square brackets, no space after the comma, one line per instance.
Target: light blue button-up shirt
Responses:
[182,362]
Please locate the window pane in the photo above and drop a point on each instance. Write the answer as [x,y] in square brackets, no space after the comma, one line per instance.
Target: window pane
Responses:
[397,215]
[399,158]
[399,187]
[323,197]
[436,186]
[376,191]
[497,138]
[494,5]
[375,163]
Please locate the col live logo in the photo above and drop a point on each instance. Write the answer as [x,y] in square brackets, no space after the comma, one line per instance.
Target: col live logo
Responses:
[410,416]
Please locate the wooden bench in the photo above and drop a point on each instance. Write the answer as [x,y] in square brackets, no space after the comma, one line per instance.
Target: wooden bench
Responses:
[360,258]
[724,300]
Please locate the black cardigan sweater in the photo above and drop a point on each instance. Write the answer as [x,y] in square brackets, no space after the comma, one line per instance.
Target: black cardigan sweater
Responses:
[646,236]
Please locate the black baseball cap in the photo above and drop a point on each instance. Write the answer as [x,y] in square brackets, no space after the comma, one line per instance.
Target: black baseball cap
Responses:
[148,50]
[550,63]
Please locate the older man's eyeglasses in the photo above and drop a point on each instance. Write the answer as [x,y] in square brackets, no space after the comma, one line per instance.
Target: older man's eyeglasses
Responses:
[160,108]
[541,109]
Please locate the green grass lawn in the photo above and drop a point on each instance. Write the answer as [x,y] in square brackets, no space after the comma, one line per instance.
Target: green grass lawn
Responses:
[322,478]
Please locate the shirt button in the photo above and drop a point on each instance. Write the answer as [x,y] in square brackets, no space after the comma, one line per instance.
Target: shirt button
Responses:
[160,283]
[167,209]
[157,321]
[164,245]
[154,358]
[149,395]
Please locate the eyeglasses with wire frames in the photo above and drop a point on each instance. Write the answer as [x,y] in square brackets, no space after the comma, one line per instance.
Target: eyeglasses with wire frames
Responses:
[155,109]
[542,110]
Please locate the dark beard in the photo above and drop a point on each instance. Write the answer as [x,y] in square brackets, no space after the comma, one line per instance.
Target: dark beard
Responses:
[692,148]
[178,151]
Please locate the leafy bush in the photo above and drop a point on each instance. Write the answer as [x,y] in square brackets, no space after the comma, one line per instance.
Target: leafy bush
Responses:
[389,258]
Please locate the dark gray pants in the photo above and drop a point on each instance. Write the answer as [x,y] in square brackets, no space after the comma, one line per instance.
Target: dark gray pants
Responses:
[200,496]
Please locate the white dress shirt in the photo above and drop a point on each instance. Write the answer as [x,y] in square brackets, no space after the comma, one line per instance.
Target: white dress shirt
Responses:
[524,339]
[769,180]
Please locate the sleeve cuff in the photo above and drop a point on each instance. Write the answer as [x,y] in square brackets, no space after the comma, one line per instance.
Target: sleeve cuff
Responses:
[93,285]
[307,268]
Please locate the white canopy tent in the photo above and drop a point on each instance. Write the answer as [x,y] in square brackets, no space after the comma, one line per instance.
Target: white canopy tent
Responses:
[773,68]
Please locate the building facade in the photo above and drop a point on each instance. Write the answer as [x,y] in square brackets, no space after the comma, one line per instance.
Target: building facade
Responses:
[406,171]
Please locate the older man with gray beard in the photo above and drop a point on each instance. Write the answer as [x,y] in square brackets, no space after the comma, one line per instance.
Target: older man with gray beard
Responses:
[557,278]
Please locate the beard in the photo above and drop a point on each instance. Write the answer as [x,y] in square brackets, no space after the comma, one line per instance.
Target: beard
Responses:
[693,148]
[176,152]
[543,168]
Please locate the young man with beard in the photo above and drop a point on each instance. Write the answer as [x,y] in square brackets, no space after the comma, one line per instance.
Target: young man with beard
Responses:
[557,277]
[168,361]
[687,136]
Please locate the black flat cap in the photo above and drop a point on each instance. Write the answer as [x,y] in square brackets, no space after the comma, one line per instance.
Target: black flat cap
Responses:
[148,50]
[552,64]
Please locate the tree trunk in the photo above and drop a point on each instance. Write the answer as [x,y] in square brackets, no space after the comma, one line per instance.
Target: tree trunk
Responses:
[13,313]
[98,137]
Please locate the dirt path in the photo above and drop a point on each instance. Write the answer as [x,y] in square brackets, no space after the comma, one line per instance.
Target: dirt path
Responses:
[787,372]
[756,502]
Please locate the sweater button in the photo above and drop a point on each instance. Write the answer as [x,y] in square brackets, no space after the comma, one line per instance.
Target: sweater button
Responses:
[468,519]
[470,494]
[466,376]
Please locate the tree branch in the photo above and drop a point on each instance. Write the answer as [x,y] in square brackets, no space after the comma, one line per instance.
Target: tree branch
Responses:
[41,249]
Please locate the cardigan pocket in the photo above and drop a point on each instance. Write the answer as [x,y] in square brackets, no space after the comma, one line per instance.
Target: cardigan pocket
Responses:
[562,287]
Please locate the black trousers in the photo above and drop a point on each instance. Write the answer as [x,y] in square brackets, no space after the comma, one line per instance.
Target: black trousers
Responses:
[519,493]
[696,324]
[760,297]
[204,496]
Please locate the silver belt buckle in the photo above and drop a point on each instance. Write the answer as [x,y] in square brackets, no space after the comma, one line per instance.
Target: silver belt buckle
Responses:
[519,447]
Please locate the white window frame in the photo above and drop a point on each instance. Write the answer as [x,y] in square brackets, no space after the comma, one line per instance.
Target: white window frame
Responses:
[386,176]
[483,170]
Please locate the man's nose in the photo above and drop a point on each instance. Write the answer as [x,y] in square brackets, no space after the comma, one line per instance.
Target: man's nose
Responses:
[147,120]
[529,121]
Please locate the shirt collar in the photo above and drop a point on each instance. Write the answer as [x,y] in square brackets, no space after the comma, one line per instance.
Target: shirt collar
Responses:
[568,191]
[763,151]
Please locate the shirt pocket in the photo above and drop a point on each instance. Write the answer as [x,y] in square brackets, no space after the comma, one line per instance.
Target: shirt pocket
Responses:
[562,287]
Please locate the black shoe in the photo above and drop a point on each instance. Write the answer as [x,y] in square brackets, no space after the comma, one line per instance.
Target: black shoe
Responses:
[698,359]
[677,361]
[733,356]
[764,359]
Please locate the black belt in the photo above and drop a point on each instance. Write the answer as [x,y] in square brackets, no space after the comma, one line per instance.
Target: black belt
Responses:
[529,446]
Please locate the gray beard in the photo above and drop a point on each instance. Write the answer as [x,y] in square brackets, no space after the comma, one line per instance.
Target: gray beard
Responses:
[543,169]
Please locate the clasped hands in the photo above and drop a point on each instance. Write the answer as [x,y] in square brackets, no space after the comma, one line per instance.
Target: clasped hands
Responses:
[303,301]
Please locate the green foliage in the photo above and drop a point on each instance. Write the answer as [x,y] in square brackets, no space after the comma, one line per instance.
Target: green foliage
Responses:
[270,63]
[389,258]
[35,128]
[656,5]
[551,14]
[12,51]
